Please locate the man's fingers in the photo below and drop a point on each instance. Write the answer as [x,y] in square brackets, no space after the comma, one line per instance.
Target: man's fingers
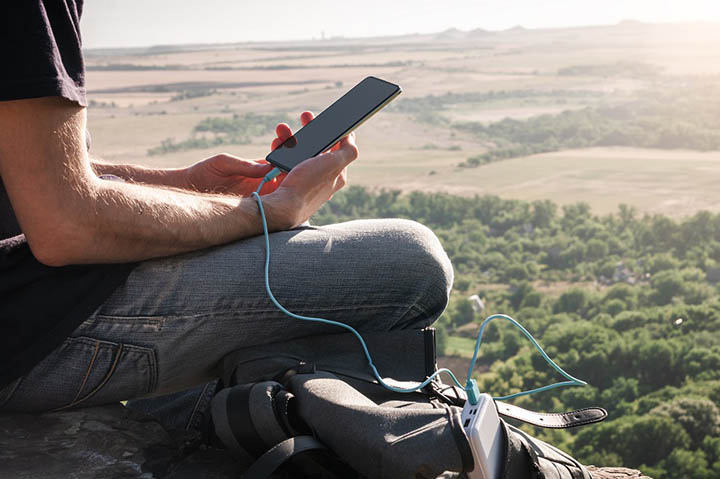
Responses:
[339,143]
[334,162]
[229,165]
[306,117]
[341,157]
[351,138]
[347,150]
[340,181]
[283,131]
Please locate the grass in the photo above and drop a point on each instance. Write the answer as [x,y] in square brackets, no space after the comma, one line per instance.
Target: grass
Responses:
[460,347]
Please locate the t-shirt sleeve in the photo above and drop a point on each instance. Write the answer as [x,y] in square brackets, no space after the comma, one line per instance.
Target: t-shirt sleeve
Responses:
[41,50]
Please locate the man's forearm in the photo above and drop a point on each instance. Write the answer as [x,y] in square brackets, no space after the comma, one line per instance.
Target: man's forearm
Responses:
[140,174]
[123,222]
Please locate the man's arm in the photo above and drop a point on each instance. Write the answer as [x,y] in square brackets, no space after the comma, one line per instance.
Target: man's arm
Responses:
[71,216]
[171,177]
[222,173]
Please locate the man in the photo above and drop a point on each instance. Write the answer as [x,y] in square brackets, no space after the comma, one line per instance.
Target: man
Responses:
[114,290]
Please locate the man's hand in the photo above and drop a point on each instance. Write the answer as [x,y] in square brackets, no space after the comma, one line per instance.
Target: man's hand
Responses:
[226,174]
[220,174]
[310,184]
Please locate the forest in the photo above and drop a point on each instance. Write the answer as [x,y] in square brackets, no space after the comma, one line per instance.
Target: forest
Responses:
[627,302]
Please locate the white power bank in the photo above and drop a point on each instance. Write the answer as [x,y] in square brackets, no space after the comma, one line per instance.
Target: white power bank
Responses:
[482,426]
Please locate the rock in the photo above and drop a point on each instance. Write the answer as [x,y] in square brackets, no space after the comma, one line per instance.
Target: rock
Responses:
[116,442]
[103,442]
[615,473]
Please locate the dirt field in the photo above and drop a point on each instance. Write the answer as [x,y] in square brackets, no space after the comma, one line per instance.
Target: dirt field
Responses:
[673,182]
[144,96]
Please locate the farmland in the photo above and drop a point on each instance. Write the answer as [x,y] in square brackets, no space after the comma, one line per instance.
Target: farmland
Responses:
[457,85]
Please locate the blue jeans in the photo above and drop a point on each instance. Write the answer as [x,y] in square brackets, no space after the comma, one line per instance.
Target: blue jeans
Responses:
[163,334]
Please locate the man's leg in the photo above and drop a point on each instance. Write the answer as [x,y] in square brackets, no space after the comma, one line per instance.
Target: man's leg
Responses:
[169,326]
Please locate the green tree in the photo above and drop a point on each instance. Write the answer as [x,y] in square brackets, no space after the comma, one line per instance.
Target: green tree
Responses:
[516,271]
[596,249]
[684,463]
[622,389]
[543,213]
[656,363]
[518,292]
[711,447]
[575,300]
[662,262]
[667,285]
[637,440]
[699,417]
[614,307]
[463,313]
[623,292]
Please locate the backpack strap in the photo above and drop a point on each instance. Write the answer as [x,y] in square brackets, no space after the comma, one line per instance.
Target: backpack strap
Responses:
[255,423]
[251,418]
[279,454]
[562,420]
[454,396]
[538,459]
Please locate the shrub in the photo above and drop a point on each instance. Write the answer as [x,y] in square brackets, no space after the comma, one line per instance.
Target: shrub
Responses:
[575,300]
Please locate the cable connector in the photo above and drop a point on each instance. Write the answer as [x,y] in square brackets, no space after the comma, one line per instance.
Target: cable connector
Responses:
[273,174]
[473,392]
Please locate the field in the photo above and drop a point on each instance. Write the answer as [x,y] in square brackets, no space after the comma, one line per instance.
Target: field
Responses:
[142,97]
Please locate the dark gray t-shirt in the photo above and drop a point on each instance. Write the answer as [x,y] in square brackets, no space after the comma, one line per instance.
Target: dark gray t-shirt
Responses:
[40,56]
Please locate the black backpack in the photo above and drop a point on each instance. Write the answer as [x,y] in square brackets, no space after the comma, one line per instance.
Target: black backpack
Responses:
[311,408]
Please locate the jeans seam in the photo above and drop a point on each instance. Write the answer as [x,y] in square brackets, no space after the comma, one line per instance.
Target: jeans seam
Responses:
[252,311]
[156,322]
[87,373]
[191,424]
[153,373]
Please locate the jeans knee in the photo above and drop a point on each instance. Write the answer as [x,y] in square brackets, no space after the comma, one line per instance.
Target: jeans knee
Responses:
[428,266]
[425,249]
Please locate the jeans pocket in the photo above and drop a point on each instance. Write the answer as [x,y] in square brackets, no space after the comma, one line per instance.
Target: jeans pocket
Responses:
[86,372]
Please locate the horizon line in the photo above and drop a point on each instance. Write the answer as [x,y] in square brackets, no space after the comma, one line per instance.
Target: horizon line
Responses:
[411,34]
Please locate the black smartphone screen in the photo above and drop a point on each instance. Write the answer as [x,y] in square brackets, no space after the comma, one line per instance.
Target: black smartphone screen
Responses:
[334,123]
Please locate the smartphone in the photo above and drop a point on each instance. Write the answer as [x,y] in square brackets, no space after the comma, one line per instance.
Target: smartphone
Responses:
[335,122]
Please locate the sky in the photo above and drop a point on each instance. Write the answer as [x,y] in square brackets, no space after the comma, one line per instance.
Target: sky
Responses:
[126,23]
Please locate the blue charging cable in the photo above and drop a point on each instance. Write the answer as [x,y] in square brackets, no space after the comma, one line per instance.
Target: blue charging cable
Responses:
[471,387]
[571,381]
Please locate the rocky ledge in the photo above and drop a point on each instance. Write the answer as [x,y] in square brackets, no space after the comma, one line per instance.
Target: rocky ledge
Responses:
[116,442]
